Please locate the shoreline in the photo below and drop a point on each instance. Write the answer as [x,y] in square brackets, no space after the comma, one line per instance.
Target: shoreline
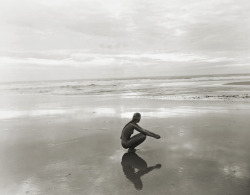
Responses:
[243,98]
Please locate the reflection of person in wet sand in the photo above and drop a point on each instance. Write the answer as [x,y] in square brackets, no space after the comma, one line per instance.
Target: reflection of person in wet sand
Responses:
[131,142]
[130,162]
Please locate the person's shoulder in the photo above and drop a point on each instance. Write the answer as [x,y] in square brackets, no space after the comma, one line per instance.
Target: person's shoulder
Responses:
[134,125]
[129,125]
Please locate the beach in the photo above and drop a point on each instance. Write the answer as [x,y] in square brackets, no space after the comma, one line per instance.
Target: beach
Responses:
[73,74]
[70,144]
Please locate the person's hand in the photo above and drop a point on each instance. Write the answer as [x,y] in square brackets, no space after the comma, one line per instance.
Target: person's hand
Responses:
[157,136]
[158,166]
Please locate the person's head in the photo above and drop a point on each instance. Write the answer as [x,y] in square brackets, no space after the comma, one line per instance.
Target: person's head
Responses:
[136,117]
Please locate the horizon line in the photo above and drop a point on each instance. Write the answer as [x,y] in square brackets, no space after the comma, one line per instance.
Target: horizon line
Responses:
[126,78]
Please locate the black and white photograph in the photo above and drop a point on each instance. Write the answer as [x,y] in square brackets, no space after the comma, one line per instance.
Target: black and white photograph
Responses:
[124,97]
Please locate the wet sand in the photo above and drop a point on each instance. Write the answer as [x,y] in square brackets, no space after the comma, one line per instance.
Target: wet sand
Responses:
[70,145]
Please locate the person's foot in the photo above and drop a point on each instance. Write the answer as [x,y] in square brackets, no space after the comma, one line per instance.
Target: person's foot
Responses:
[131,150]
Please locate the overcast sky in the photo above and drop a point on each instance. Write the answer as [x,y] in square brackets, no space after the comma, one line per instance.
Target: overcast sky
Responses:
[79,39]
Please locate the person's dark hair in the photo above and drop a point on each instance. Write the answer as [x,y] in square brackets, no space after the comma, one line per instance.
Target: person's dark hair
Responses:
[135,116]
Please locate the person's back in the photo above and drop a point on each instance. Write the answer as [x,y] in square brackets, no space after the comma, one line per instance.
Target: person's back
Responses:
[127,131]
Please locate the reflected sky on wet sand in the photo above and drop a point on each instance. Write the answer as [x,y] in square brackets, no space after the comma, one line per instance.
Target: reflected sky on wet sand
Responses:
[173,112]
[109,111]
[205,151]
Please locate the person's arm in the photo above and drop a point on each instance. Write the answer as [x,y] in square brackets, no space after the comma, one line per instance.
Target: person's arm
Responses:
[147,132]
[147,170]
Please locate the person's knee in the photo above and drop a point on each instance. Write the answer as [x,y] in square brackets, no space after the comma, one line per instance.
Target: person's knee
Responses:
[125,146]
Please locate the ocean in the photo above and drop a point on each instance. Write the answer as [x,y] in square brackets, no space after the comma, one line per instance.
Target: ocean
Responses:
[198,87]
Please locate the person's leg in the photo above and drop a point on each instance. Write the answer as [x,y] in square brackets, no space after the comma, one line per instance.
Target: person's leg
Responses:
[136,140]
[134,160]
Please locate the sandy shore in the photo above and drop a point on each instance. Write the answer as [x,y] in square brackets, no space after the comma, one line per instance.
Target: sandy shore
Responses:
[70,145]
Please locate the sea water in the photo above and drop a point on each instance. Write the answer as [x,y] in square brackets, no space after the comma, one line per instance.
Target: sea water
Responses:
[215,87]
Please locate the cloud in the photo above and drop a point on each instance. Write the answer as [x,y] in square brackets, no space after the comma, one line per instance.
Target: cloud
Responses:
[121,34]
[81,59]
[125,25]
